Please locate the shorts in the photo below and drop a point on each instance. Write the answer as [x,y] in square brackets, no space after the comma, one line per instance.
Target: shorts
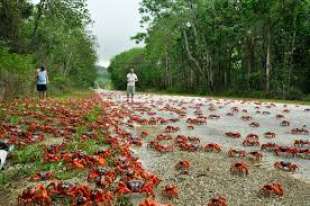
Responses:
[41,87]
[131,90]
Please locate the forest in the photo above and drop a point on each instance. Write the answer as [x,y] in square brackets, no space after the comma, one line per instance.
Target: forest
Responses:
[51,33]
[248,48]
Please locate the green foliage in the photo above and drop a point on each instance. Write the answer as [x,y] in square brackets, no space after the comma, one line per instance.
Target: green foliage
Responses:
[123,201]
[3,178]
[51,33]
[215,47]
[15,73]
[93,114]
[28,154]
[14,119]
[89,146]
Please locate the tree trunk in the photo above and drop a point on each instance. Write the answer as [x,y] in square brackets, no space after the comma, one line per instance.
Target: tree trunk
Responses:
[37,18]
[250,58]
[190,55]
[291,54]
[268,58]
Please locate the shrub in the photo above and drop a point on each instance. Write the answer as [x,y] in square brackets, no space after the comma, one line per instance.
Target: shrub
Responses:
[294,94]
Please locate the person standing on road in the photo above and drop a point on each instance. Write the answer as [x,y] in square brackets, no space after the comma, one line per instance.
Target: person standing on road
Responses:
[42,80]
[131,84]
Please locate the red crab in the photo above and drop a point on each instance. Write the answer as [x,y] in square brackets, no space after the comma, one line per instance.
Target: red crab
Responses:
[254,124]
[245,111]
[59,188]
[190,144]
[102,197]
[162,137]
[257,156]
[269,146]
[233,134]
[286,166]
[301,143]
[151,202]
[171,129]
[102,176]
[239,168]
[135,140]
[235,109]
[196,121]
[272,189]
[282,150]
[270,135]
[144,134]
[266,112]
[212,148]
[285,111]
[304,153]
[42,176]
[33,196]
[246,118]
[183,165]
[250,142]
[195,140]
[190,127]
[122,188]
[236,153]
[163,148]
[301,131]
[170,191]
[214,116]
[218,201]
[285,123]
[52,152]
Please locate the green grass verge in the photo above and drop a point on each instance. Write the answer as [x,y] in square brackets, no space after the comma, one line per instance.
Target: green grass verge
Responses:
[284,101]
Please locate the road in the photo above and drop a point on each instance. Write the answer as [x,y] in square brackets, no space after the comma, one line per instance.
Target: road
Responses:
[227,116]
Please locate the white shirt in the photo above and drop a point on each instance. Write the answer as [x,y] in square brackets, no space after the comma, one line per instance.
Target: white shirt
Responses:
[42,77]
[131,79]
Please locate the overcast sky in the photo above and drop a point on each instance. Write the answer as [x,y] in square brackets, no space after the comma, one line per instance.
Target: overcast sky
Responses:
[115,22]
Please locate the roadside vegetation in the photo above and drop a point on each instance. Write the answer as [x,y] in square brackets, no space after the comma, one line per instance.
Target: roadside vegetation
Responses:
[51,33]
[250,48]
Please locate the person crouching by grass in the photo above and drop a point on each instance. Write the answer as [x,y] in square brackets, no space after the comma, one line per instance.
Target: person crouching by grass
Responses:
[131,84]
[42,80]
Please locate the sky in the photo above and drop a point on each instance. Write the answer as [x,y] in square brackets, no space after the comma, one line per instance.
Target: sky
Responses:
[115,21]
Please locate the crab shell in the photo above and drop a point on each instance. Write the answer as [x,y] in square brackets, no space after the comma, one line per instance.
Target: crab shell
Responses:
[236,153]
[213,148]
[170,191]
[233,134]
[239,168]
[183,165]
[272,189]
[135,185]
[218,201]
[286,166]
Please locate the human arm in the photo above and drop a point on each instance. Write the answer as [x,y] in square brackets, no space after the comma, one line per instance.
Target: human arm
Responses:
[136,78]
[46,78]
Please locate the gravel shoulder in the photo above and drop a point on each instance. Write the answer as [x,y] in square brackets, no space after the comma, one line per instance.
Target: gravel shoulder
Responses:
[209,175]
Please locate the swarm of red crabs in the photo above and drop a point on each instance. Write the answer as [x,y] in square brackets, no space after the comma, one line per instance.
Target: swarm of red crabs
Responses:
[115,172]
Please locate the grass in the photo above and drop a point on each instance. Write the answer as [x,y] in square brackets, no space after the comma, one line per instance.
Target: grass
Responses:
[123,201]
[93,114]
[89,146]
[28,154]
[76,93]
[14,120]
[300,102]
